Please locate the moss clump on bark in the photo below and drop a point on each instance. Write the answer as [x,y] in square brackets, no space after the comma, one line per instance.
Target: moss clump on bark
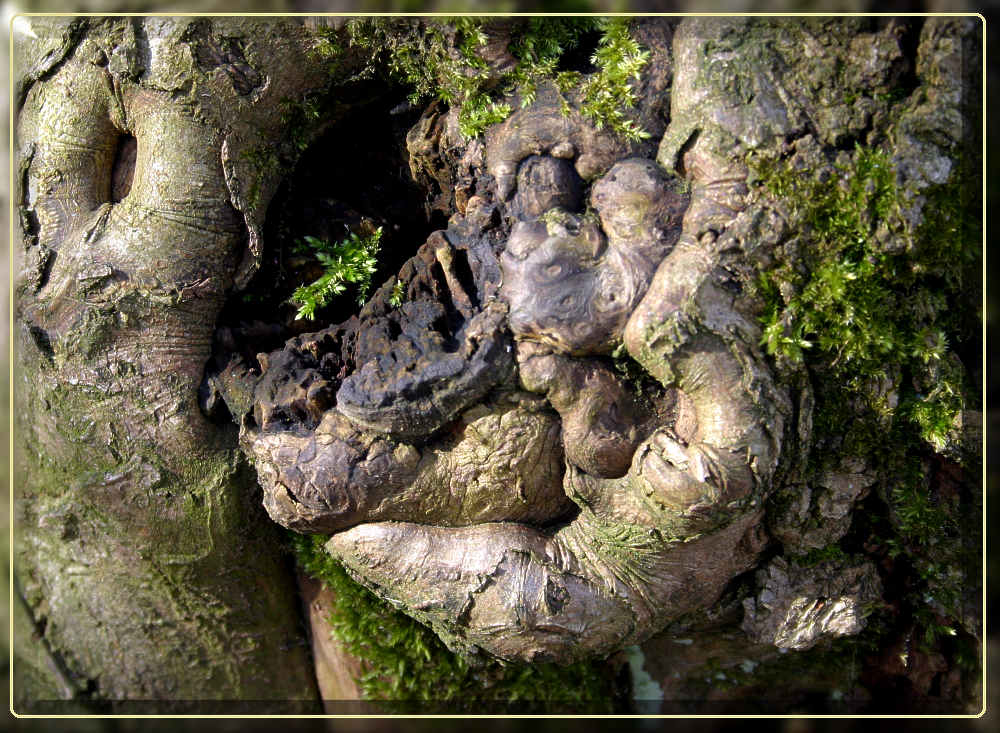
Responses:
[458,62]
[877,314]
[859,310]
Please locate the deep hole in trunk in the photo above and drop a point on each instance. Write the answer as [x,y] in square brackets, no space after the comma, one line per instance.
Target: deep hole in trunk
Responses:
[578,57]
[123,169]
[354,177]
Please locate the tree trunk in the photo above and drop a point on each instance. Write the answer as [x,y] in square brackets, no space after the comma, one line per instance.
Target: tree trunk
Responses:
[149,569]
[630,393]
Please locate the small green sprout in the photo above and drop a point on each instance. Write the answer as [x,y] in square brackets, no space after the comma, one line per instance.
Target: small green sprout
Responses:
[352,260]
[396,297]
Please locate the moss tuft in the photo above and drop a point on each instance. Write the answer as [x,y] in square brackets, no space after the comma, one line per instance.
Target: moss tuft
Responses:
[444,60]
[816,556]
[876,312]
[865,314]
[352,260]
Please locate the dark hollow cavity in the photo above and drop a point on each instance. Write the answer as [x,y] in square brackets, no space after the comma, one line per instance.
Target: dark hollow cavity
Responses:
[124,167]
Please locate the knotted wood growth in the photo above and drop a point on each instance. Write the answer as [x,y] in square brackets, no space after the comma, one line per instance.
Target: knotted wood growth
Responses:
[664,512]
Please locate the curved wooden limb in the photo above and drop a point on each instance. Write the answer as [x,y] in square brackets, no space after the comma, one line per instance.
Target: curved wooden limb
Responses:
[524,595]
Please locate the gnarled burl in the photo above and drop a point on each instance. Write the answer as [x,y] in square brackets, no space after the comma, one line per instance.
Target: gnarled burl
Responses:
[478,457]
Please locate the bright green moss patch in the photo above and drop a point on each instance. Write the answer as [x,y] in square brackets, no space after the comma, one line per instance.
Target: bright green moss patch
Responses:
[350,261]
[877,314]
[445,60]
[608,93]
[408,668]
[435,60]
[862,313]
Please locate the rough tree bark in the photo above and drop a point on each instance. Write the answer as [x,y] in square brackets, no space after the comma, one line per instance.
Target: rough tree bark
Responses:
[149,569]
[468,439]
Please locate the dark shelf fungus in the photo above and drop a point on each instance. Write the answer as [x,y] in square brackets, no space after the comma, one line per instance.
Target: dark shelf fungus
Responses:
[408,411]
[441,350]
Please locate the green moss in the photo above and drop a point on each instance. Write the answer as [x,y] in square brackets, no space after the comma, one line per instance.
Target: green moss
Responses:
[352,260]
[861,311]
[874,310]
[406,666]
[442,60]
[820,555]
[608,93]
[398,294]
[265,163]
[540,48]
